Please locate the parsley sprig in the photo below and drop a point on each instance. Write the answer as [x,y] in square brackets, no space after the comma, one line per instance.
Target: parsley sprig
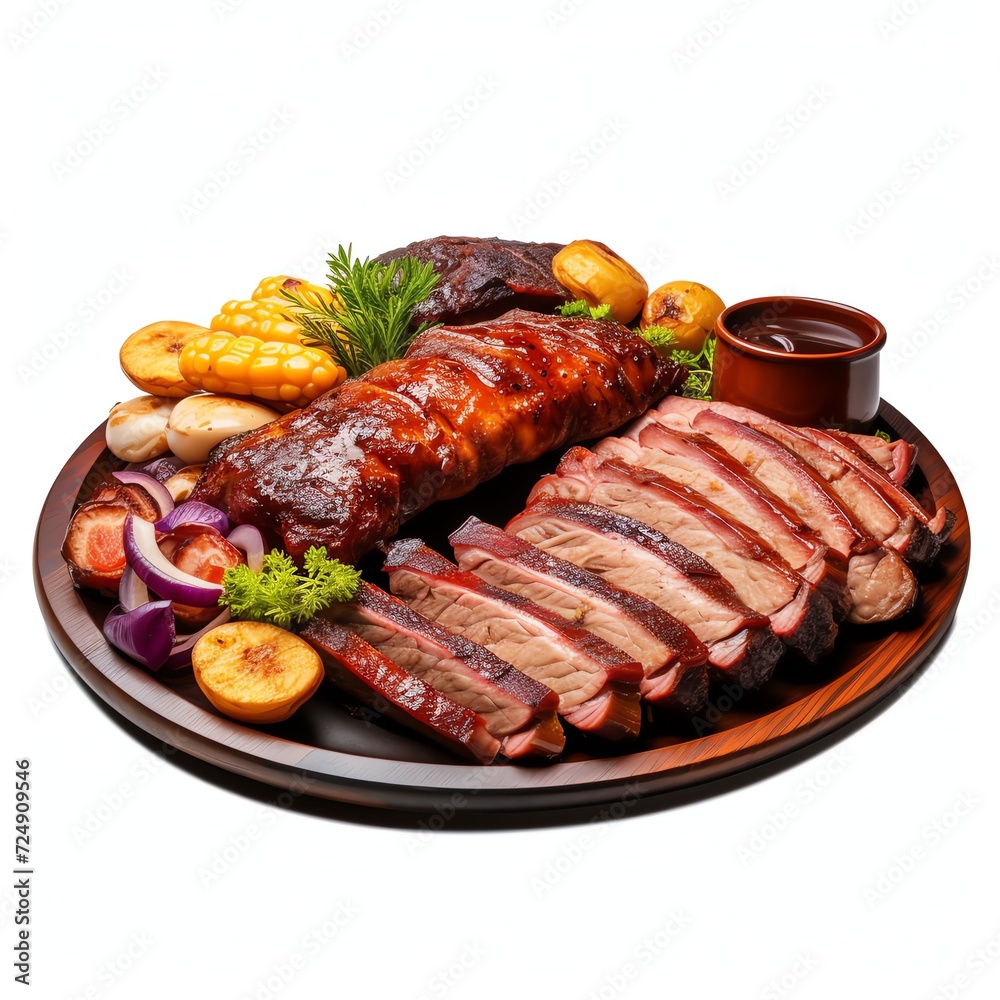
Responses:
[698,384]
[285,595]
[582,308]
[368,320]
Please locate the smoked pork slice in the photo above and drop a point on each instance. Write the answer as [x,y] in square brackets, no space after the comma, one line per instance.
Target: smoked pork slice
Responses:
[518,711]
[637,557]
[481,277]
[356,667]
[879,506]
[462,404]
[597,684]
[800,616]
[812,498]
[697,463]
[672,658]
[896,457]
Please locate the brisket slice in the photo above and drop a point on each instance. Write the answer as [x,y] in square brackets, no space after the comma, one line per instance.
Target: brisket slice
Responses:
[694,461]
[864,487]
[673,660]
[356,667]
[518,711]
[479,278]
[800,616]
[597,683]
[898,458]
[933,528]
[637,557]
[813,499]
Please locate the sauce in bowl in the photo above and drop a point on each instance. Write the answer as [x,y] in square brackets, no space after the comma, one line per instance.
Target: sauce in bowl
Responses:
[803,361]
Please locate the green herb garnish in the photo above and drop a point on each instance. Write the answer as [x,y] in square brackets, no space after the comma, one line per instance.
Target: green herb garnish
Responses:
[581,308]
[884,435]
[368,321]
[283,594]
[698,384]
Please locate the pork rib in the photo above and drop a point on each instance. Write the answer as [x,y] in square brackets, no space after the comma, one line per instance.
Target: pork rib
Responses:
[461,405]
[597,684]
[672,658]
[637,557]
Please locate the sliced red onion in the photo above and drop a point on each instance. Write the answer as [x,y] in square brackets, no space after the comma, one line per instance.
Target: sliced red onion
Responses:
[160,494]
[180,655]
[250,542]
[132,592]
[161,469]
[194,512]
[145,633]
[161,575]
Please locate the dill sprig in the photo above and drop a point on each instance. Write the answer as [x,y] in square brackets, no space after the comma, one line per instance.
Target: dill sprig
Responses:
[283,594]
[582,308]
[368,320]
[698,384]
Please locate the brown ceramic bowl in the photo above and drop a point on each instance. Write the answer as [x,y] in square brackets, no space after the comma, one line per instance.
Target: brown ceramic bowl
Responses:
[829,377]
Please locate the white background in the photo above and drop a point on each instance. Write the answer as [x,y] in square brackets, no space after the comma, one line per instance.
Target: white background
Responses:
[663,130]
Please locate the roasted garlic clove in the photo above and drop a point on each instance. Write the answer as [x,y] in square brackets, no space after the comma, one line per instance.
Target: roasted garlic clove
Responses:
[687,308]
[137,429]
[595,273]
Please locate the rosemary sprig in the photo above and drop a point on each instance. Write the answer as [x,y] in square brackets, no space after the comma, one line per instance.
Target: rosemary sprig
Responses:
[698,384]
[368,320]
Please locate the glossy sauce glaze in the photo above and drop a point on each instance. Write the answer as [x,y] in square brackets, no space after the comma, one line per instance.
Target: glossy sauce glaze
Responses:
[800,335]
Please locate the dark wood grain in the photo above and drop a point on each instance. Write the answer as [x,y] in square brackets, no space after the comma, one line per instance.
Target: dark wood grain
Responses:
[330,750]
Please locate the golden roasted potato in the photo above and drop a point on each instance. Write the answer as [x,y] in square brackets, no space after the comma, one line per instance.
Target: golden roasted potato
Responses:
[255,672]
[595,273]
[149,357]
[687,308]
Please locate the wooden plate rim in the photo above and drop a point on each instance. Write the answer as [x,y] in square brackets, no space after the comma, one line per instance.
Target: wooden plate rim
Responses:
[400,785]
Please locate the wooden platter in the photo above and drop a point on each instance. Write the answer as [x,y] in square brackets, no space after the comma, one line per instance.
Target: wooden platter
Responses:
[335,751]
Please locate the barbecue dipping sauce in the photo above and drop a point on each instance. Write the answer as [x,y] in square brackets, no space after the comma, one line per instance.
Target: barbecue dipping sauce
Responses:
[799,335]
